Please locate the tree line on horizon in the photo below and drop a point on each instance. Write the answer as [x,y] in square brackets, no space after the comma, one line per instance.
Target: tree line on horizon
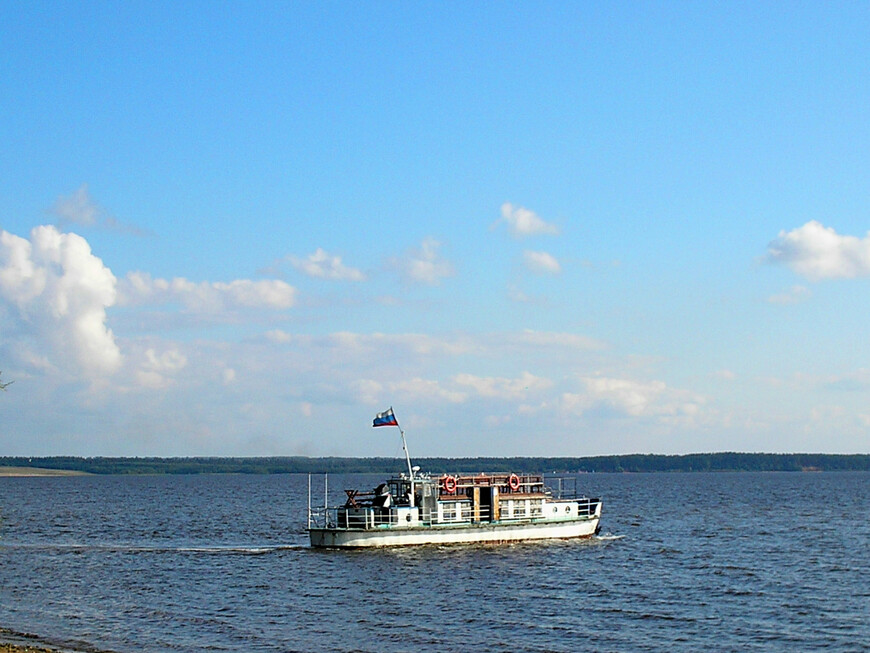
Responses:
[624,463]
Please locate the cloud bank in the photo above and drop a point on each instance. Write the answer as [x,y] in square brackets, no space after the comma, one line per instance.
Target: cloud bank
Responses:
[206,298]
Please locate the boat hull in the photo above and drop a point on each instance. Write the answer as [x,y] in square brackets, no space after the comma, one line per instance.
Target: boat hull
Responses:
[452,534]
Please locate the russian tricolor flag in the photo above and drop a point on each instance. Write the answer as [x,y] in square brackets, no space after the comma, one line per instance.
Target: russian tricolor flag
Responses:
[385,419]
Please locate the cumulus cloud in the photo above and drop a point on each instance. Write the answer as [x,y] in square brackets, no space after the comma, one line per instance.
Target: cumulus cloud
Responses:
[414,389]
[138,288]
[816,252]
[323,265]
[541,262]
[425,265]
[426,389]
[504,388]
[156,371]
[523,222]
[58,291]
[631,398]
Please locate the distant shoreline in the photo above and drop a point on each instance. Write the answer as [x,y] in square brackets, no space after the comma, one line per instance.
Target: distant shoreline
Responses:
[624,463]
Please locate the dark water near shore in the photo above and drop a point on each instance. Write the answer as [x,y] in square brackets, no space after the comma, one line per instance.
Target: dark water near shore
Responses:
[722,562]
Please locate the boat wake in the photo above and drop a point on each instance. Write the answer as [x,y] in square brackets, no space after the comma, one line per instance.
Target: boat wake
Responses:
[608,537]
[194,550]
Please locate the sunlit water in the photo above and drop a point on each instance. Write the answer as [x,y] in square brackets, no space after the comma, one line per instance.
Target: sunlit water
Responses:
[724,562]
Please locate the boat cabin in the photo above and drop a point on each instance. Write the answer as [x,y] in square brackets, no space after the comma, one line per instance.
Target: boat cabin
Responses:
[423,500]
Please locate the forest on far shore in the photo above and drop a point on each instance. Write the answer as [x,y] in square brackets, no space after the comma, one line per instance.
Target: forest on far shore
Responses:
[635,463]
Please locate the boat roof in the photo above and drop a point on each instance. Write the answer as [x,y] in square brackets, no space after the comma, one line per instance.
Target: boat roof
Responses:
[482,479]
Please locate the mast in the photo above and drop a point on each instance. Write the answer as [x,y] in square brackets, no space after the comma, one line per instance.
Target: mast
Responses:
[410,469]
[407,455]
[388,418]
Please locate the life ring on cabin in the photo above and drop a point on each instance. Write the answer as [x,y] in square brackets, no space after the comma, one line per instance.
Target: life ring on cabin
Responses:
[514,482]
[449,483]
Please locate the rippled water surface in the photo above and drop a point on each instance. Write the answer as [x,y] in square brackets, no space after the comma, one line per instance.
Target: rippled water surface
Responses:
[744,561]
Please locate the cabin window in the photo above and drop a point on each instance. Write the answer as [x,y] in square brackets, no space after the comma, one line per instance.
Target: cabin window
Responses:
[456,511]
[466,510]
[514,508]
[537,508]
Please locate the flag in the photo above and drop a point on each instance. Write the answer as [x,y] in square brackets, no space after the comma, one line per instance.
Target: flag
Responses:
[385,419]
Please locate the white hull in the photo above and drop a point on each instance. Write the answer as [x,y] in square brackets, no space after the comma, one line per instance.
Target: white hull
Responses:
[453,534]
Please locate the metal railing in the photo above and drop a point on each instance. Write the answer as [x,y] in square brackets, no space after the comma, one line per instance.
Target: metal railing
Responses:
[373,517]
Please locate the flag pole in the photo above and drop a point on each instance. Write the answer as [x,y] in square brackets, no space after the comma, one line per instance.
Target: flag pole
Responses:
[404,446]
[388,418]
[407,456]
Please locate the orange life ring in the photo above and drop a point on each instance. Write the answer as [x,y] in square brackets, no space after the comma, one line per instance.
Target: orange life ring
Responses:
[514,482]
[449,483]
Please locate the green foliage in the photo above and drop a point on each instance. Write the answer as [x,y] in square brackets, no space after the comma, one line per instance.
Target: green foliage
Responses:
[697,462]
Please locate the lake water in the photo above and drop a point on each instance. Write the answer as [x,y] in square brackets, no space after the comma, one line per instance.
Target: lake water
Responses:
[685,562]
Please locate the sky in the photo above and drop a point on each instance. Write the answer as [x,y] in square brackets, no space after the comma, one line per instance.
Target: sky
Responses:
[531,228]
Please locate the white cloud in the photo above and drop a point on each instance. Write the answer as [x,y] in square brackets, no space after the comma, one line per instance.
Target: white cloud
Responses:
[58,292]
[269,293]
[794,295]
[523,222]
[156,371]
[77,208]
[632,398]
[80,209]
[556,340]
[504,388]
[541,262]
[425,265]
[323,265]
[369,391]
[278,336]
[138,288]
[404,392]
[515,294]
[416,346]
[425,389]
[427,345]
[817,252]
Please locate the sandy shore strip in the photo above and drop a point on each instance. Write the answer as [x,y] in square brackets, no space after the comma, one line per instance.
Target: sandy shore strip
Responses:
[22,648]
[37,471]
[15,642]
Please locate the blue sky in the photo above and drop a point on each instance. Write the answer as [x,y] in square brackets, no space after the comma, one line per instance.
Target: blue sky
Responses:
[532,229]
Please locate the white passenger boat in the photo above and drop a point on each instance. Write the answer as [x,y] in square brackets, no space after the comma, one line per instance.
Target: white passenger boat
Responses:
[414,508]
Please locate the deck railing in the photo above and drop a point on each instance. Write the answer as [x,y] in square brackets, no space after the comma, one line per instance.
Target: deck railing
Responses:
[373,517]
